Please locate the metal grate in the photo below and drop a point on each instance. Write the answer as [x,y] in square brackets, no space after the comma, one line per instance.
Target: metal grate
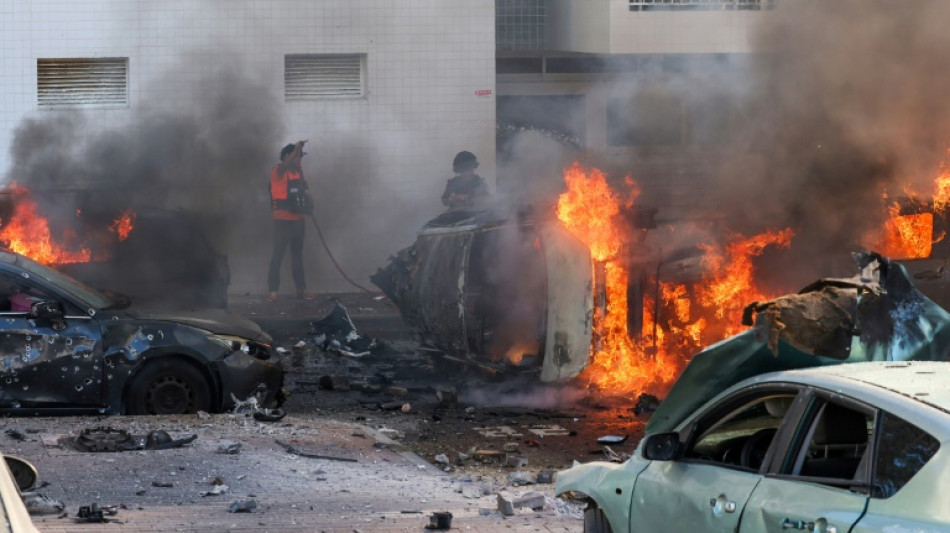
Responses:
[71,82]
[701,5]
[317,76]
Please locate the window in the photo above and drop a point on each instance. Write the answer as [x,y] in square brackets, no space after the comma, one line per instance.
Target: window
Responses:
[75,82]
[520,24]
[700,5]
[741,434]
[903,449]
[835,446]
[320,76]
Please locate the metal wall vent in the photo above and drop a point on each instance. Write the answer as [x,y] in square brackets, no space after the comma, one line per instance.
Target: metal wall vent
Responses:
[318,76]
[72,82]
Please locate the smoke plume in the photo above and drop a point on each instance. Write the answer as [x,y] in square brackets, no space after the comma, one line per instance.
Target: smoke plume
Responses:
[844,106]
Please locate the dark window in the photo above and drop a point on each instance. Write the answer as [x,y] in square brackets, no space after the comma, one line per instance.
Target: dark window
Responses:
[903,449]
[701,5]
[519,65]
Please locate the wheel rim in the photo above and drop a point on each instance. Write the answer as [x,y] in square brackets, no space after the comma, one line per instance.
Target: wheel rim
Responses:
[169,395]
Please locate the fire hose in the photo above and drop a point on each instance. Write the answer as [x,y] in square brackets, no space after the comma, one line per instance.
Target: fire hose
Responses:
[333,259]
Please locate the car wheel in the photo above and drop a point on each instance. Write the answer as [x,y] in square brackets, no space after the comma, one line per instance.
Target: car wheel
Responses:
[595,521]
[168,386]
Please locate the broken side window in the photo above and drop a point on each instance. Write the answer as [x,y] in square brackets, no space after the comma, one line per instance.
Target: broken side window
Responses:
[741,432]
[903,450]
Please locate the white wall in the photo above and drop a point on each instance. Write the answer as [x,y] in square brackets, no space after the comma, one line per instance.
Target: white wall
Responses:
[378,163]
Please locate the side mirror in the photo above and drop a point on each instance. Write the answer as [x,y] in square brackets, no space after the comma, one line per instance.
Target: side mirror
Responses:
[24,473]
[662,447]
[51,311]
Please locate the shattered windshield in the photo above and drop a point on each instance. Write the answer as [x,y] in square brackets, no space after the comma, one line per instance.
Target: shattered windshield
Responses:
[90,297]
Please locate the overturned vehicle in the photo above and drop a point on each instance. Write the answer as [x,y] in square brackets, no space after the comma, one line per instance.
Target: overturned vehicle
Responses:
[507,291]
[830,414]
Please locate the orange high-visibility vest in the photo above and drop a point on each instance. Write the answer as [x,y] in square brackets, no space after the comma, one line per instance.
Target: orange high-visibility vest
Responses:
[278,191]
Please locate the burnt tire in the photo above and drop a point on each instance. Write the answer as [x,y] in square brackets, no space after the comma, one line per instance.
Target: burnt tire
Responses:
[168,386]
[595,521]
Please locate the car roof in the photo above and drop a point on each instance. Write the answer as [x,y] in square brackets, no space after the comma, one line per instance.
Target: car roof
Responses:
[924,381]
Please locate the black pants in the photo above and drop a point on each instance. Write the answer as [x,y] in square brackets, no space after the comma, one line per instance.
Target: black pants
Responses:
[287,232]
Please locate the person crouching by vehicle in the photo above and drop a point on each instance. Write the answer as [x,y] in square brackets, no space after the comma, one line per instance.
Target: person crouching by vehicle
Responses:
[466,187]
[290,203]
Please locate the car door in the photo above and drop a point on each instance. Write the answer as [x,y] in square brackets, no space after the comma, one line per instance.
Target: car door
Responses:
[820,483]
[45,362]
[726,450]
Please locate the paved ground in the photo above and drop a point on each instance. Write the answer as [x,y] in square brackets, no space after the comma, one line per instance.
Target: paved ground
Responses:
[392,485]
[383,490]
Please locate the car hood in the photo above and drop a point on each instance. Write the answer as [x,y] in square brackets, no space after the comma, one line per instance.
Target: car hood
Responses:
[213,320]
[878,315]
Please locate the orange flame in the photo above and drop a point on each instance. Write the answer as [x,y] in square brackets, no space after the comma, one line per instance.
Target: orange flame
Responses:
[942,188]
[588,209]
[651,359]
[907,236]
[732,282]
[28,233]
[123,225]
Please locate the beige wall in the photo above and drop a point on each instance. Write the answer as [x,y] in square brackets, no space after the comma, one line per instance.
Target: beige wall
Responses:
[609,27]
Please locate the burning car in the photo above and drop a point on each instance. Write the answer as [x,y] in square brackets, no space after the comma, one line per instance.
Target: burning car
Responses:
[769,430]
[67,348]
[161,257]
[591,287]
[479,285]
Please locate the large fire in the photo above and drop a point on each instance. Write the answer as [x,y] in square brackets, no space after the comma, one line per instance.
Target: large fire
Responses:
[686,317]
[911,235]
[27,232]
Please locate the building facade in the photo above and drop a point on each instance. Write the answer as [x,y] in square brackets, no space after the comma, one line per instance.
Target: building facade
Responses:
[645,87]
[385,92]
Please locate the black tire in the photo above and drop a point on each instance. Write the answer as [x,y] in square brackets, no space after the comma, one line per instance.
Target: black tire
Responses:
[595,521]
[168,386]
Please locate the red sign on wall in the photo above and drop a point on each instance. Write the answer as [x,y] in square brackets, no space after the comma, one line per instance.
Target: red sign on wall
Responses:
[483,92]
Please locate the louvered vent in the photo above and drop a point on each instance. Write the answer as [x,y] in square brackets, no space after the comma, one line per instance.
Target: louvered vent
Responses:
[82,82]
[316,76]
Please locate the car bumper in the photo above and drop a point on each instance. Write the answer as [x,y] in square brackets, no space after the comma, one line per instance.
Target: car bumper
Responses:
[243,376]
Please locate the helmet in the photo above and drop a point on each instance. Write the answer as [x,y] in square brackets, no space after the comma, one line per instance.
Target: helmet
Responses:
[285,151]
[464,160]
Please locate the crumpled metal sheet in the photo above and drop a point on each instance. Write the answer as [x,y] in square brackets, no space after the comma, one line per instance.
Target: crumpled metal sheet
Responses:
[877,315]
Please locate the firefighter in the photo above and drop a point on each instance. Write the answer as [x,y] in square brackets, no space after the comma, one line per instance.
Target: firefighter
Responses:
[290,203]
[466,187]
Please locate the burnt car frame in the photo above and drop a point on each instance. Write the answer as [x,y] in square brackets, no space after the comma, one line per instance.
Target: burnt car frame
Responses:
[66,348]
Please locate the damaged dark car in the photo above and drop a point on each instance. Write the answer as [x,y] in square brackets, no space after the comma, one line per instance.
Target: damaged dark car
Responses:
[68,349]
